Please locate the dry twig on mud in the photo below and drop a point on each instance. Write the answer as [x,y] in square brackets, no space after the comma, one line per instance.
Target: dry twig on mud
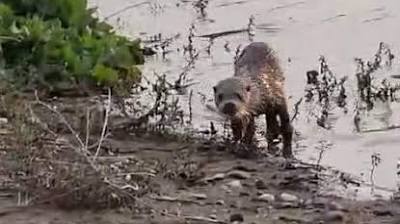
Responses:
[203,219]
[71,170]
[323,87]
[103,131]
[62,118]
[296,109]
[174,199]
[223,33]
[125,9]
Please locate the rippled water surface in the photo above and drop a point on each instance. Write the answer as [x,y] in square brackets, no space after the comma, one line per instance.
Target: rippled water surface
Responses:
[299,31]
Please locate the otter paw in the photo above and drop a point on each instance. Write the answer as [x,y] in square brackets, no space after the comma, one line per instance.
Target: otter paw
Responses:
[287,153]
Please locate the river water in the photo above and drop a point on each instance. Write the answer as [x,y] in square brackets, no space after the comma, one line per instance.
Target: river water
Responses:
[299,31]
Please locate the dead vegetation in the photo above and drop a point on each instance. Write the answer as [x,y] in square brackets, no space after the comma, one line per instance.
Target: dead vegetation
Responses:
[325,91]
[59,149]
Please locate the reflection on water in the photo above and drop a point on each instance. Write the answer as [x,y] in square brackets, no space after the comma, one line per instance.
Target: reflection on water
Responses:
[300,31]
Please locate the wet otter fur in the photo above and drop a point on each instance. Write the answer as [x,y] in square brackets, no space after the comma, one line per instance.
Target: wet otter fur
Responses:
[256,88]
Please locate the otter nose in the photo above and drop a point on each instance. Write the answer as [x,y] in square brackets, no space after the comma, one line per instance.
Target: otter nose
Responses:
[229,109]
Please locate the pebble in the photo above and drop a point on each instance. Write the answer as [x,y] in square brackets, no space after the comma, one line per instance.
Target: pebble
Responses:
[335,206]
[213,216]
[237,217]
[3,120]
[235,184]
[260,185]
[220,202]
[237,174]
[244,193]
[266,197]
[286,205]
[384,212]
[289,197]
[198,196]
[334,216]
[128,177]
[324,203]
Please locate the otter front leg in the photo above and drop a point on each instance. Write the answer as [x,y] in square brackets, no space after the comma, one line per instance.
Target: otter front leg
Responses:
[243,130]
[272,128]
[249,131]
[237,129]
[287,132]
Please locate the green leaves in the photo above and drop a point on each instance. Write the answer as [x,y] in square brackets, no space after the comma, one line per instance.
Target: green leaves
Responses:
[72,13]
[105,74]
[6,15]
[38,34]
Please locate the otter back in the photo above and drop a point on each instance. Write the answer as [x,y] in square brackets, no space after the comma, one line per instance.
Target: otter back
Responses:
[256,60]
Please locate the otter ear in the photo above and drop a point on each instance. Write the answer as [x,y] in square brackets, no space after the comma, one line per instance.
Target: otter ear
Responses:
[248,88]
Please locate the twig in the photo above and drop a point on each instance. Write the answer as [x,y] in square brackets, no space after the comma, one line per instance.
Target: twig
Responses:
[74,133]
[9,38]
[37,119]
[190,106]
[204,219]
[223,33]
[124,187]
[125,9]
[382,129]
[174,199]
[137,174]
[296,109]
[108,108]
[87,128]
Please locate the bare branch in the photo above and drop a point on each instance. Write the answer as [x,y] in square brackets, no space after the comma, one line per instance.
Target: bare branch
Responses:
[108,108]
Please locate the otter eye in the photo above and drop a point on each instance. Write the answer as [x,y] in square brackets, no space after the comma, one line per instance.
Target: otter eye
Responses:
[239,96]
[248,88]
[220,97]
[215,89]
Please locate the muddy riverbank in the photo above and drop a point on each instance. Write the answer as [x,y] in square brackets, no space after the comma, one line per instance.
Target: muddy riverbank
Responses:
[182,179]
[300,31]
[203,181]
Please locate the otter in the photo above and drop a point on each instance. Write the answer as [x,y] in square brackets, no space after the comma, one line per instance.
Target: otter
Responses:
[256,88]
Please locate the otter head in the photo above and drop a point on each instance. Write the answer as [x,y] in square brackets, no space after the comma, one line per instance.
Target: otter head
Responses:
[232,96]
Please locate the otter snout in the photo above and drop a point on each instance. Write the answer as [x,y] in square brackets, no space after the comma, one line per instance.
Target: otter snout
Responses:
[229,109]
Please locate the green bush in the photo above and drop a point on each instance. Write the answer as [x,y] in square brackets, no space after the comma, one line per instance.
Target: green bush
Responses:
[56,44]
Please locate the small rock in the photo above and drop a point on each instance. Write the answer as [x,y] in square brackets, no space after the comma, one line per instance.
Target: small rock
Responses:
[239,174]
[213,216]
[289,197]
[260,185]
[243,193]
[324,203]
[226,188]
[245,168]
[220,202]
[289,219]
[383,213]
[236,218]
[235,184]
[286,205]
[335,206]
[218,176]
[198,196]
[3,120]
[128,177]
[5,132]
[334,216]
[266,198]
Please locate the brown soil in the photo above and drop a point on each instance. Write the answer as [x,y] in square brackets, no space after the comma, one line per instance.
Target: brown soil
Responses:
[201,181]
